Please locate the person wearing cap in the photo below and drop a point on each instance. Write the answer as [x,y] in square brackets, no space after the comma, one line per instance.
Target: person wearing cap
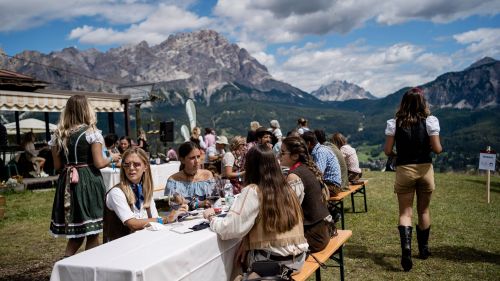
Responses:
[233,163]
[264,136]
[214,154]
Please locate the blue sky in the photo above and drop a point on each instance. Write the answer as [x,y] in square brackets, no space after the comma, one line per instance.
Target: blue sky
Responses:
[378,45]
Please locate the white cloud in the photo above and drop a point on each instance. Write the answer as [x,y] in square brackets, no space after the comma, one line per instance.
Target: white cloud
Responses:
[154,29]
[481,42]
[25,14]
[278,21]
[379,70]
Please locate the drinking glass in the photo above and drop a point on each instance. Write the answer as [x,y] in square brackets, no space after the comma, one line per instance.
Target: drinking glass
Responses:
[175,202]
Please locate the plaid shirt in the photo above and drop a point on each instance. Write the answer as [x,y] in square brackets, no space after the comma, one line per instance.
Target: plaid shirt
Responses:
[327,163]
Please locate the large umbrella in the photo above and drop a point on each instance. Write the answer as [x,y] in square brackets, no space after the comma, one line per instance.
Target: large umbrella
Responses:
[29,125]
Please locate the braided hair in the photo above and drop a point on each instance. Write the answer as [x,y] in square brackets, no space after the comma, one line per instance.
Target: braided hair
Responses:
[297,146]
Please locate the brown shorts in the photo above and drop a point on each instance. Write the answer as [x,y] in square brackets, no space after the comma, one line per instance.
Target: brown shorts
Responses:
[414,176]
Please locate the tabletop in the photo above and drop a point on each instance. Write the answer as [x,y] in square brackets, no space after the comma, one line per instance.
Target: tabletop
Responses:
[153,255]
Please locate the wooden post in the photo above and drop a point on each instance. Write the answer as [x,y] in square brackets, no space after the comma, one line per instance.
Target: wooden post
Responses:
[488,149]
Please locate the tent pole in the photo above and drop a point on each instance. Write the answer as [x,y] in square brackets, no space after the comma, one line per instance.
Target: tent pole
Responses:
[18,130]
[47,131]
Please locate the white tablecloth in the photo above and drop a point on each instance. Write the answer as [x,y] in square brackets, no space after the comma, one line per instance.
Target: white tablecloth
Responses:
[160,174]
[153,256]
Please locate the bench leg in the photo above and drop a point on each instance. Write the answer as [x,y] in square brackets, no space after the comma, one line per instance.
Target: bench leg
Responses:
[318,274]
[342,219]
[364,194]
[352,203]
[340,261]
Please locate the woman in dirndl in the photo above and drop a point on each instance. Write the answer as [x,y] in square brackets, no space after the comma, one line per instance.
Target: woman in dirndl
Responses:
[77,148]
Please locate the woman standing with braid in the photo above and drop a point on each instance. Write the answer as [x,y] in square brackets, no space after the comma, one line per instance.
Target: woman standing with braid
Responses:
[317,219]
[77,146]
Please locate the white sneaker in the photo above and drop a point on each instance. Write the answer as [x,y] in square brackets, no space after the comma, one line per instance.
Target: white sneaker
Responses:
[34,174]
[43,174]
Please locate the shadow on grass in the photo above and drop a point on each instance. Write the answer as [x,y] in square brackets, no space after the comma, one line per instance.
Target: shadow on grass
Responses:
[457,254]
[464,254]
[380,259]
[494,186]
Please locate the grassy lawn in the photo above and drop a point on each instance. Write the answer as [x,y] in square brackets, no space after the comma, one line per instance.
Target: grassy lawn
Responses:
[464,239]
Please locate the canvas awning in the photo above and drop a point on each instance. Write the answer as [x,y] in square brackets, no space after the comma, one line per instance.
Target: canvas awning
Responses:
[47,100]
[29,125]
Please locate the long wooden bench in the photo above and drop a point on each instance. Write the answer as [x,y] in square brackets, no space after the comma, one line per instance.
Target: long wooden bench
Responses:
[334,248]
[338,200]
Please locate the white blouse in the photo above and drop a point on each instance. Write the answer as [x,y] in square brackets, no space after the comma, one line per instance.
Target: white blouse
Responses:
[92,136]
[241,218]
[431,124]
[116,201]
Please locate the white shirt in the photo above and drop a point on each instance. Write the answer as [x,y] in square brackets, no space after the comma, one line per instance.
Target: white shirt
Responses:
[431,124]
[116,201]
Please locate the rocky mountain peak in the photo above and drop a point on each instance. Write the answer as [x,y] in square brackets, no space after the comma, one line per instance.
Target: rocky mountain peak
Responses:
[341,91]
[481,62]
[202,65]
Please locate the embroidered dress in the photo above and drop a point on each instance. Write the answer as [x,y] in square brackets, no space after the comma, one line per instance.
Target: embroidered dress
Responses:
[78,207]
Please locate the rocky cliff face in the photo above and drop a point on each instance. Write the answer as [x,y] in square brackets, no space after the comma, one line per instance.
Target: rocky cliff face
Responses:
[341,91]
[478,86]
[202,65]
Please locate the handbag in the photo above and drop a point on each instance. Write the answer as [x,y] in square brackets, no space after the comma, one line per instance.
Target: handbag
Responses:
[390,165]
[270,270]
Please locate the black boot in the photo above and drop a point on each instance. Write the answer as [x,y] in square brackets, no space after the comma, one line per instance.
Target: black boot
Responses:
[423,243]
[405,236]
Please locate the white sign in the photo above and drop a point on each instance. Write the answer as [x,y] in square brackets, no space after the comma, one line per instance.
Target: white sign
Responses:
[487,161]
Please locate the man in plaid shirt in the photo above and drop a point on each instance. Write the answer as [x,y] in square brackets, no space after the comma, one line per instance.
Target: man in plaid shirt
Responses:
[325,159]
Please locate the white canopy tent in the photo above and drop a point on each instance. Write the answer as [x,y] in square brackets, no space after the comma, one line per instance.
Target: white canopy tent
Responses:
[29,125]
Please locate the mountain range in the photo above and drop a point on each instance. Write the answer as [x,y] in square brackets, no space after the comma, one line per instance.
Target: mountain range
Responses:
[220,76]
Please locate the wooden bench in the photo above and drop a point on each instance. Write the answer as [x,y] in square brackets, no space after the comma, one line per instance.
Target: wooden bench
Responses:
[338,200]
[335,247]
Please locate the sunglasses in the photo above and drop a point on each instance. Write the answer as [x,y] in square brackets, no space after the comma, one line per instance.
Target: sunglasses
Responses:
[132,164]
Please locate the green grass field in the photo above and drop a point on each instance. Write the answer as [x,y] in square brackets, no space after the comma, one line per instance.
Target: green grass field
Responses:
[464,239]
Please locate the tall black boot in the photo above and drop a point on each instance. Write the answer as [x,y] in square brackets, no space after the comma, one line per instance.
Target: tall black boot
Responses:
[405,236]
[423,242]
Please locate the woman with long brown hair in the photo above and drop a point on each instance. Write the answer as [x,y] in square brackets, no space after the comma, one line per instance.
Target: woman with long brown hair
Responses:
[77,146]
[317,219]
[267,214]
[415,132]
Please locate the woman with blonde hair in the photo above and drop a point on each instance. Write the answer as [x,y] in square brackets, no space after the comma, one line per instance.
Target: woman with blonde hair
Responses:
[77,147]
[129,204]
[232,163]
[415,132]
[267,214]
[142,141]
